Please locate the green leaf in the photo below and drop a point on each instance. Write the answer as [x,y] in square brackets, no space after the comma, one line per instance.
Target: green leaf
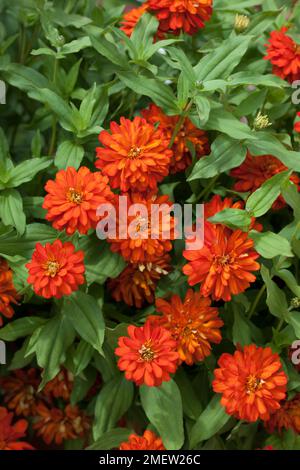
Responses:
[161,94]
[248,78]
[163,407]
[222,60]
[244,332]
[226,153]
[84,313]
[276,299]
[226,123]
[289,279]
[142,36]
[82,356]
[11,210]
[292,197]
[100,262]
[190,400]
[59,107]
[26,171]
[269,144]
[25,78]
[259,202]
[113,401]
[52,343]
[294,320]
[82,385]
[11,244]
[20,328]
[210,422]
[233,218]
[68,154]
[269,244]
[5,161]
[111,439]
[76,45]
[109,50]
[203,109]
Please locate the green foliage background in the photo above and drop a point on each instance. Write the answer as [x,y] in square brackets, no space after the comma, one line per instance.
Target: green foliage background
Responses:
[69,71]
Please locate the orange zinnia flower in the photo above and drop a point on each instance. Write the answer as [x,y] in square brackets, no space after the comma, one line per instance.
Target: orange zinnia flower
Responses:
[252,383]
[287,417]
[178,15]
[73,199]
[11,433]
[225,263]
[56,269]
[297,124]
[8,293]
[137,283]
[20,391]
[284,54]
[61,386]
[148,441]
[135,155]
[148,356]
[254,171]
[131,18]
[182,157]
[56,425]
[216,204]
[138,244]
[194,324]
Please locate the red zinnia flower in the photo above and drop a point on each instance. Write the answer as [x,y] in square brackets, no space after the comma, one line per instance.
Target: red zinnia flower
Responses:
[178,15]
[56,269]
[254,171]
[132,17]
[135,155]
[11,433]
[56,425]
[148,356]
[148,441]
[73,199]
[8,293]
[287,417]
[252,383]
[284,54]
[20,391]
[224,265]
[194,324]
[143,239]
[137,283]
[61,386]
[297,124]
[182,157]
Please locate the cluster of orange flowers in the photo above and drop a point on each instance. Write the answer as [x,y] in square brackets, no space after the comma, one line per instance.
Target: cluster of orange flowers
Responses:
[174,16]
[51,421]
[8,293]
[134,156]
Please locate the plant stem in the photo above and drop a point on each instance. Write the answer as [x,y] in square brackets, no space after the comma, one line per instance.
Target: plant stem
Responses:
[22,44]
[208,188]
[280,323]
[256,301]
[53,136]
[180,122]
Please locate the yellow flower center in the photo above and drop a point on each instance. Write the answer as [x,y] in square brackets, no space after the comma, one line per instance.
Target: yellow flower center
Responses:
[223,260]
[253,384]
[134,152]
[146,352]
[74,196]
[52,268]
